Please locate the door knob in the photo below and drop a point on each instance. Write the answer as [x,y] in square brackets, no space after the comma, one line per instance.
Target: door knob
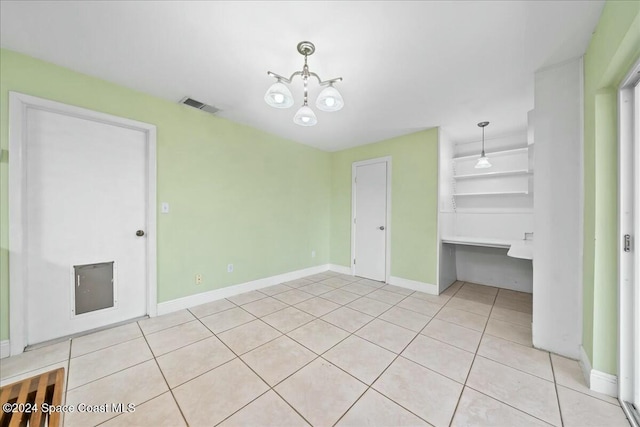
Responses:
[139,233]
[381,227]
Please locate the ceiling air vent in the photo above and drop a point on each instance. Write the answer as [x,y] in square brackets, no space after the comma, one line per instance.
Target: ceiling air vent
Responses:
[199,105]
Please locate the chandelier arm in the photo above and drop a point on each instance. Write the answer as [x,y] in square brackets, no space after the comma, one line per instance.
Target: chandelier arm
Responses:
[297,73]
[279,77]
[325,82]
[328,82]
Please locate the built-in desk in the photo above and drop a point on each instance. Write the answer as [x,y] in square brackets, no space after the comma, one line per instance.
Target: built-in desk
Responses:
[522,249]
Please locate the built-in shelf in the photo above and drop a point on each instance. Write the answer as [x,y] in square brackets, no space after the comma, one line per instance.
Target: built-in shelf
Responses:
[493,193]
[493,174]
[495,154]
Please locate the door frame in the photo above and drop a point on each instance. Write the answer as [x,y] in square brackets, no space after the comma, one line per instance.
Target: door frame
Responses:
[628,262]
[19,104]
[387,226]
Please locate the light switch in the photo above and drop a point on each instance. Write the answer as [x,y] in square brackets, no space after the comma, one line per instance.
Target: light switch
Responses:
[164,208]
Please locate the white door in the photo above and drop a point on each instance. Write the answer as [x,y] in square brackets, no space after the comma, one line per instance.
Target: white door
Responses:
[629,254]
[370,220]
[85,199]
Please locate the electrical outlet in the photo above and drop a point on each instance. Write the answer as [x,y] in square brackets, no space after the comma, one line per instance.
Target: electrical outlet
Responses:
[313,254]
[198,279]
[229,268]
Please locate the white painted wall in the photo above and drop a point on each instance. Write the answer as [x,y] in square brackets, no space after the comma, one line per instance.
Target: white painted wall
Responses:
[496,225]
[445,171]
[446,253]
[492,266]
[448,274]
[557,265]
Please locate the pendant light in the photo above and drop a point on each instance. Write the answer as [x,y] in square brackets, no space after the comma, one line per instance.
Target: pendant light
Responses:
[279,95]
[483,161]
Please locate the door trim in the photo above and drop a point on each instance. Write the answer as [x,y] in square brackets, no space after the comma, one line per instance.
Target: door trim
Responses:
[628,274]
[387,226]
[19,104]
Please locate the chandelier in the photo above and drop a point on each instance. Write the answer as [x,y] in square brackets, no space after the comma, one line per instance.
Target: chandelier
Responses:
[279,95]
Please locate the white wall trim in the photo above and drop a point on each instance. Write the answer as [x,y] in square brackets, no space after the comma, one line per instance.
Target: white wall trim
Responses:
[229,291]
[604,383]
[585,365]
[340,269]
[414,285]
[628,223]
[19,104]
[5,349]
[354,165]
[597,380]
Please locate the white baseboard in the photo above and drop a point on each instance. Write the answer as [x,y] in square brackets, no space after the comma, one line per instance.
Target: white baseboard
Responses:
[5,349]
[229,291]
[604,383]
[414,285]
[597,380]
[340,269]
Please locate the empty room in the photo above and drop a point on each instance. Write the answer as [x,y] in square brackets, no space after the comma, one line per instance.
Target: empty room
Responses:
[320,213]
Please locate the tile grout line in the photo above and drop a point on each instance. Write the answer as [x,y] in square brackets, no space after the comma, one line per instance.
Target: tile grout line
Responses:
[509,405]
[555,387]
[370,386]
[270,388]
[320,356]
[475,355]
[66,382]
[398,355]
[110,345]
[500,363]
[163,377]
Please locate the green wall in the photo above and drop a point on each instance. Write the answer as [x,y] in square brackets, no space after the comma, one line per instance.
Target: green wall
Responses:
[614,48]
[414,203]
[237,195]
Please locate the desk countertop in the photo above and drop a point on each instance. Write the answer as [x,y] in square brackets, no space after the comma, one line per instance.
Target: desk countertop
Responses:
[517,248]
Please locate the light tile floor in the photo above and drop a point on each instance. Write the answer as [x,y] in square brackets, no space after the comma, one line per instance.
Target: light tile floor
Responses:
[327,350]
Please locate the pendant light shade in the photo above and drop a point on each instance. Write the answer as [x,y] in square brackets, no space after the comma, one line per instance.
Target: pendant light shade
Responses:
[329,99]
[305,117]
[483,161]
[279,96]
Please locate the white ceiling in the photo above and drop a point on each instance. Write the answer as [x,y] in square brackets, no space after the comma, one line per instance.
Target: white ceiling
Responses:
[406,66]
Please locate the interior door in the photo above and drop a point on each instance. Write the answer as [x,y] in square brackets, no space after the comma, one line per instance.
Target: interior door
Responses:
[85,199]
[370,220]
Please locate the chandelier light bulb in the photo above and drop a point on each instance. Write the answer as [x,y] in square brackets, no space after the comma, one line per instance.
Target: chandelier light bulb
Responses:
[279,96]
[330,99]
[305,117]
